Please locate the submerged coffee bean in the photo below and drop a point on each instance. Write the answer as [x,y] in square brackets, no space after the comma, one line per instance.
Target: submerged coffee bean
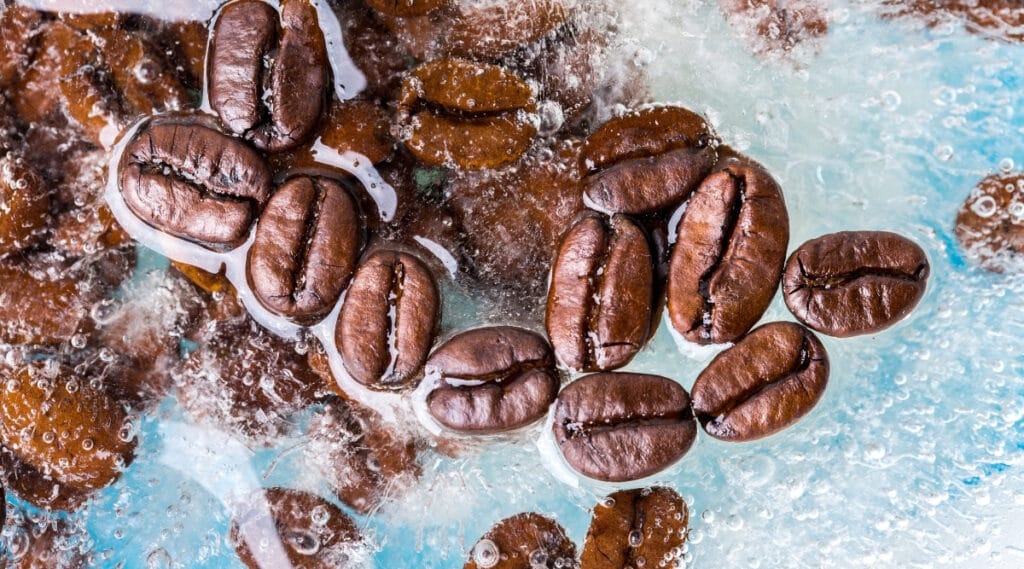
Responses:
[617,427]
[729,252]
[767,381]
[990,223]
[187,179]
[24,205]
[305,250]
[524,541]
[855,282]
[491,380]
[636,528]
[388,320]
[490,31]
[601,297]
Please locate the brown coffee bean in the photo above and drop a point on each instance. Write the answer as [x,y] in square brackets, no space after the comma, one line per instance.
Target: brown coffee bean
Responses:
[37,487]
[729,251]
[999,20]
[376,50]
[406,8]
[490,31]
[648,160]
[777,27]
[314,533]
[185,43]
[86,230]
[24,205]
[187,179]
[601,297]
[766,382]
[268,81]
[19,31]
[990,223]
[491,380]
[49,543]
[636,528]
[213,283]
[466,115]
[388,320]
[306,246]
[854,282]
[524,541]
[40,308]
[356,125]
[617,427]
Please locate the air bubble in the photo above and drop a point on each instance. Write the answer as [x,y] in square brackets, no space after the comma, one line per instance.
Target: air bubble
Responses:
[87,444]
[49,437]
[538,559]
[985,206]
[158,559]
[486,554]
[635,538]
[944,152]
[320,516]
[304,542]
[127,431]
[1006,165]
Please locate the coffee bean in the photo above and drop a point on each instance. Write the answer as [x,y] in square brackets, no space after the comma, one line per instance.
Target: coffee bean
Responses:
[356,125]
[648,160]
[24,206]
[187,179]
[41,308]
[770,379]
[990,223]
[774,27]
[49,542]
[268,81]
[524,541]
[491,380]
[601,297]
[376,50]
[37,487]
[855,282]
[493,30]
[406,8]
[990,19]
[19,29]
[636,528]
[618,427]
[729,251]
[388,320]
[465,114]
[306,246]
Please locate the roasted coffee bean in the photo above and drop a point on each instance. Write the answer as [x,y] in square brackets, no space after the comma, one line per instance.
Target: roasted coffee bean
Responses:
[268,81]
[24,205]
[40,308]
[524,541]
[47,543]
[990,223]
[617,427]
[19,31]
[854,282]
[635,528]
[312,532]
[770,379]
[729,251]
[777,27]
[406,8]
[356,125]
[648,160]
[601,297]
[86,230]
[376,50]
[185,43]
[491,380]
[465,114]
[1000,20]
[187,179]
[37,487]
[306,246]
[490,31]
[388,320]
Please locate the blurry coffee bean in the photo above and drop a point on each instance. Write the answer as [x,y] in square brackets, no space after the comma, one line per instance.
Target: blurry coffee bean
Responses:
[43,304]
[777,27]
[490,31]
[89,229]
[636,528]
[268,81]
[49,543]
[1000,20]
[355,125]
[306,246]
[37,487]
[19,30]
[524,541]
[312,532]
[601,297]
[406,8]
[729,251]
[375,49]
[854,282]
[990,223]
[648,160]
[617,427]
[36,93]
[388,320]
[189,180]
[185,44]
[491,380]
[94,21]
[24,205]
[770,379]
[466,115]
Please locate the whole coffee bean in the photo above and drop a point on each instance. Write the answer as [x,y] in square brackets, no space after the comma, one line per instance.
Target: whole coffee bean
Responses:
[601,297]
[729,251]
[524,541]
[24,205]
[617,427]
[388,320]
[854,282]
[770,379]
[189,180]
[268,81]
[492,380]
[465,114]
[648,160]
[990,223]
[306,246]
[490,31]
[634,528]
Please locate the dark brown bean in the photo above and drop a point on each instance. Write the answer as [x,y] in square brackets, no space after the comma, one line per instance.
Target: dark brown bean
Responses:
[770,379]
[524,541]
[617,427]
[268,81]
[648,160]
[636,528]
[990,223]
[24,205]
[388,320]
[855,282]
[491,380]
[490,31]
[37,487]
[306,246]
[729,252]
[601,297]
[187,179]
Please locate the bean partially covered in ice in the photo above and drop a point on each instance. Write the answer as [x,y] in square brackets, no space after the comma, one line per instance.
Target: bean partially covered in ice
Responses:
[636,528]
[990,223]
[523,541]
[24,205]
[40,308]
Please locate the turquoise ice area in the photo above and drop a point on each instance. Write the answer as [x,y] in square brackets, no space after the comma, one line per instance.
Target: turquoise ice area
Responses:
[913,457]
